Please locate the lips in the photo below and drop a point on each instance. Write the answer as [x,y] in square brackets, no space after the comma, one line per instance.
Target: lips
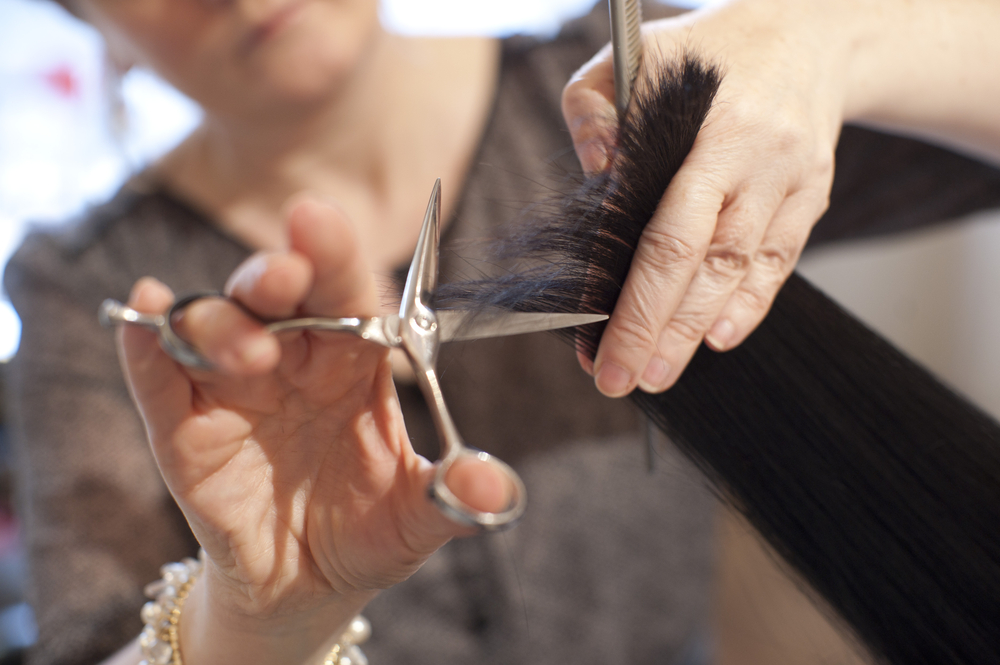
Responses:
[273,23]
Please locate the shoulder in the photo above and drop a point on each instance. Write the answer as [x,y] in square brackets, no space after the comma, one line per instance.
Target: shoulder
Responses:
[58,278]
[140,231]
[553,60]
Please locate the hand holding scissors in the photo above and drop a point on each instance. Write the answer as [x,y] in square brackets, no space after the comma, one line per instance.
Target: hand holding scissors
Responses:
[419,330]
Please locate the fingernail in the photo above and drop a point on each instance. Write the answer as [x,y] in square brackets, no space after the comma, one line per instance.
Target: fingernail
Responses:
[253,352]
[139,289]
[720,335]
[613,380]
[655,375]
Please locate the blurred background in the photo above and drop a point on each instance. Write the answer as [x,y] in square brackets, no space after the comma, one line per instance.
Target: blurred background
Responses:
[70,133]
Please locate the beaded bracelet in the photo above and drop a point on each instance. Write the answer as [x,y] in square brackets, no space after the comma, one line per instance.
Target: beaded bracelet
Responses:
[346,651]
[158,639]
[161,615]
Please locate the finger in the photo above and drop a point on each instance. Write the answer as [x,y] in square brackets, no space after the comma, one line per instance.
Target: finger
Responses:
[741,226]
[588,106]
[229,337]
[160,389]
[480,485]
[342,284]
[272,284]
[773,262]
[672,247]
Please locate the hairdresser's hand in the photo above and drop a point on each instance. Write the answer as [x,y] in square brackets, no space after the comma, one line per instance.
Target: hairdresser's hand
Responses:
[291,464]
[731,226]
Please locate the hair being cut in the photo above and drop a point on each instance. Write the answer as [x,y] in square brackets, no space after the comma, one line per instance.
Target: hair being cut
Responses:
[878,484]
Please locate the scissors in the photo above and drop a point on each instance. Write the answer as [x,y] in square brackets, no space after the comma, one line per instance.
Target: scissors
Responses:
[419,330]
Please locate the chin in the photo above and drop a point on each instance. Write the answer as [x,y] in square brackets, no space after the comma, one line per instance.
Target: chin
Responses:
[316,53]
[306,74]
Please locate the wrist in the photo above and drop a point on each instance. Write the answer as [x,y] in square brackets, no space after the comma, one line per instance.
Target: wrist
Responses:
[216,629]
[918,68]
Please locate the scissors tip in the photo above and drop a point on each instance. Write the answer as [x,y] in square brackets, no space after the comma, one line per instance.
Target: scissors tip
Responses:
[421,280]
[434,205]
[432,219]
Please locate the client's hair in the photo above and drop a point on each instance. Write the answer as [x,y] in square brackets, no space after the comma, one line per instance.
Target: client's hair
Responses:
[879,485]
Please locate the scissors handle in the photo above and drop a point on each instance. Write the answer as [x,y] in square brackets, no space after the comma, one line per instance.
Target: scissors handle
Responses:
[113,312]
[382,330]
[453,449]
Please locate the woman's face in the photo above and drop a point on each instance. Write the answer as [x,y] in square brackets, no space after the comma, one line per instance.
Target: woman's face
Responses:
[241,56]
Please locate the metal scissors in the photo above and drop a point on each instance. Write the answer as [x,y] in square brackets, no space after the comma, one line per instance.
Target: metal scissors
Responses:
[419,330]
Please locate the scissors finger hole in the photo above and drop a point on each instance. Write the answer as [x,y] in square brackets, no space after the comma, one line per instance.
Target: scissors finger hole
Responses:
[213,326]
[478,489]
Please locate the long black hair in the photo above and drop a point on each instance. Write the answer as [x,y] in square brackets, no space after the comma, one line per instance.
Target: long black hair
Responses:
[878,484]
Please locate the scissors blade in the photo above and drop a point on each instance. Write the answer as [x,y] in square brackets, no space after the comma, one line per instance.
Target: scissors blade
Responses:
[422,276]
[460,324]
[626,48]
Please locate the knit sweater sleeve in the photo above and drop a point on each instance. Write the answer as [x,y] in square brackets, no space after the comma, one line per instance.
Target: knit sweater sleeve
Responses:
[98,520]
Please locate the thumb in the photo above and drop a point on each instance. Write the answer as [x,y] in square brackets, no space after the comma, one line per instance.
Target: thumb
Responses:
[588,106]
[479,485]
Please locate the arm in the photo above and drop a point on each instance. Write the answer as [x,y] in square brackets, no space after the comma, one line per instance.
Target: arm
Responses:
[733,222]
[926,68]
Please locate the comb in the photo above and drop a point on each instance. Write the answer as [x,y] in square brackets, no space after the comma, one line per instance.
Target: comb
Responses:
[626,48]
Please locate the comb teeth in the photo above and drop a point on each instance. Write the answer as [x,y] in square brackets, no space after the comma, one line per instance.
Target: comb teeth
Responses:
[626,20]
[633,22]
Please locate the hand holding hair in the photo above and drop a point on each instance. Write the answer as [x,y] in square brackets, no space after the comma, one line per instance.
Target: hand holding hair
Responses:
[292,463]
[876,483]
[731,225]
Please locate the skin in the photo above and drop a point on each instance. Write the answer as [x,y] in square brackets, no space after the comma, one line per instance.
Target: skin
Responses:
[733,222]
[295,104]
[292,466]
[299,96]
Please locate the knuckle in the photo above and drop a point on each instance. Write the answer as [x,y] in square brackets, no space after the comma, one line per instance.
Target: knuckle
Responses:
[631,333]
[823,163]
[728,262]
[746,115]
[821,204]
[791,137]
[665,250]
[780,252]
[687,328]
[755,299]
[778,258]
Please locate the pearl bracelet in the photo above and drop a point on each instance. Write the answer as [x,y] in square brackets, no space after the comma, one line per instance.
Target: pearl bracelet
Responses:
[346,651]
[161,615]
[158,639]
